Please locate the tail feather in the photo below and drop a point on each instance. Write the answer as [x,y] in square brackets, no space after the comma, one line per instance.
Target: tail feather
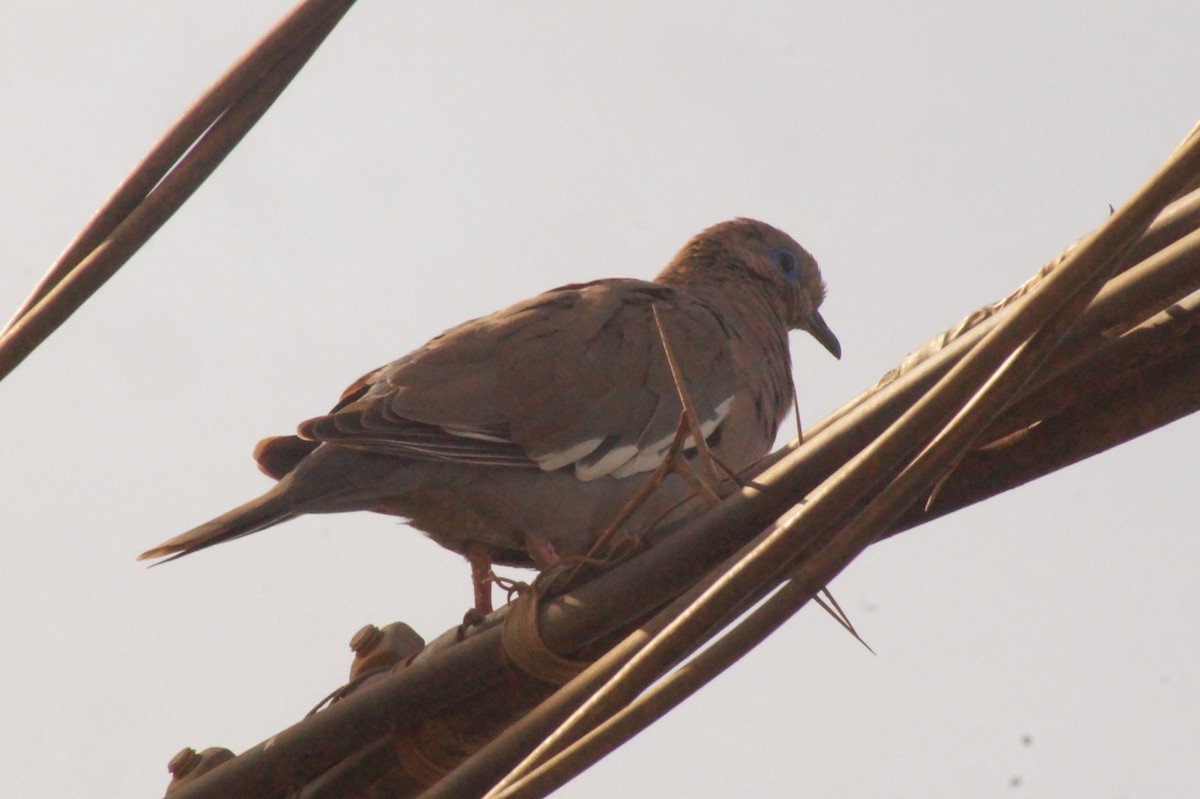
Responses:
[280,455]
[257,514]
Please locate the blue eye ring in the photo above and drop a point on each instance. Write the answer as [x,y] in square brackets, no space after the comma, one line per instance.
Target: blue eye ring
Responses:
[787,261]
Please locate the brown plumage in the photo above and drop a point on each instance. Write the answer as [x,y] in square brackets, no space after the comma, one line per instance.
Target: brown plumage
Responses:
[525,432]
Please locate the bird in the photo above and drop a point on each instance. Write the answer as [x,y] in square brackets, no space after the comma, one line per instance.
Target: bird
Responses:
[517,438]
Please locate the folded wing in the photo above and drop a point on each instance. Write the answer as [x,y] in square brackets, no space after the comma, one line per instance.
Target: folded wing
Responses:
[575,377]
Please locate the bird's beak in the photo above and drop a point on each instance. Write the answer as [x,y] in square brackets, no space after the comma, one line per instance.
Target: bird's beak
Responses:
[817,328]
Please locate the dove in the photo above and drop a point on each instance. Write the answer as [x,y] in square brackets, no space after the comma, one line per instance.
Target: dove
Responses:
[518,438]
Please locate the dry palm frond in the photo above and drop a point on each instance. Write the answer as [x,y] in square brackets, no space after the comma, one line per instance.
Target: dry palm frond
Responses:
[1097,348]
[168,175]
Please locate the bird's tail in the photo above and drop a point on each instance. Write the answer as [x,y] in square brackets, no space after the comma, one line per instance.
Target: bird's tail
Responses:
[257,514]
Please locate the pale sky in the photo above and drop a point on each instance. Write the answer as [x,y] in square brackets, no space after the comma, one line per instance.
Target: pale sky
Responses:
[436,161]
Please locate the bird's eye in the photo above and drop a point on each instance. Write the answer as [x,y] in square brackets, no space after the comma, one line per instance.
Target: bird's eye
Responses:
[786,261]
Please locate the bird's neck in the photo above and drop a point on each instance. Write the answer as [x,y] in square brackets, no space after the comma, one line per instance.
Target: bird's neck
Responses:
[754,314]
[759,336]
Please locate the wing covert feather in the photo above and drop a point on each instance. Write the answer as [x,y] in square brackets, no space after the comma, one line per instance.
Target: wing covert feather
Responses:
[574,376]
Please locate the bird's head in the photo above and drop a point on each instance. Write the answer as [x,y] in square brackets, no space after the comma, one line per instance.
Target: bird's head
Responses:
[748,255]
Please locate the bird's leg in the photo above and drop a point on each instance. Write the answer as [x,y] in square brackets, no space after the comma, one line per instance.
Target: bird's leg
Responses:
[480,558]
[551,566]
[541,552]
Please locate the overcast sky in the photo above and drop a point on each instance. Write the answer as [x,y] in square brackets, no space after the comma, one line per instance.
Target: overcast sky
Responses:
[436,161]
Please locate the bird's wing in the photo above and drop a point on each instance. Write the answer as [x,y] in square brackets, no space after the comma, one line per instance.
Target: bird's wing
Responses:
[573,377]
